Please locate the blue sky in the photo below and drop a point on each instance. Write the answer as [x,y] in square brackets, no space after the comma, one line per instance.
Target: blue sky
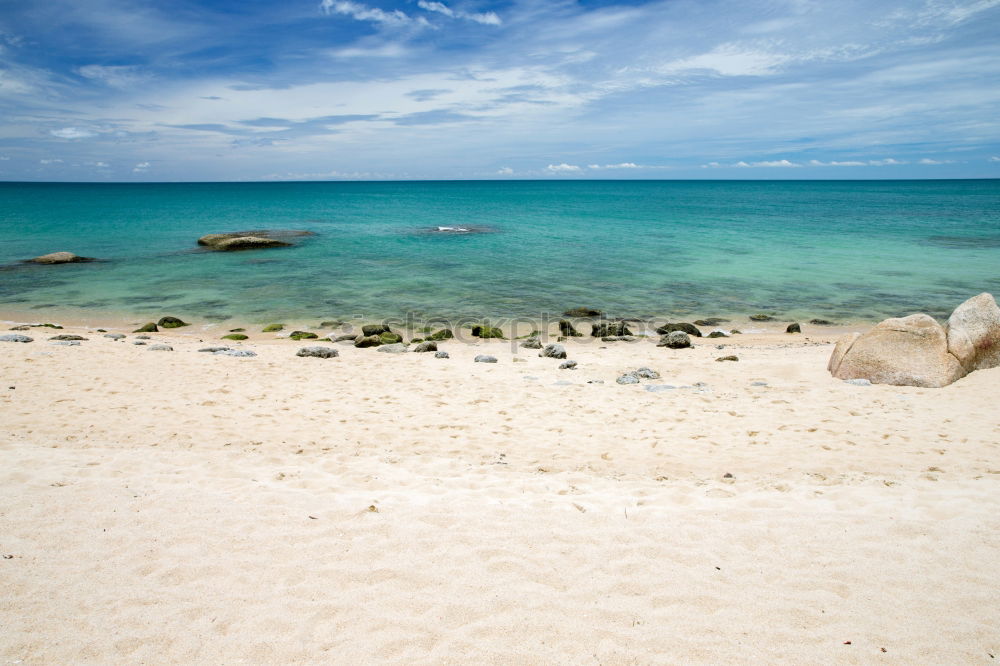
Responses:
[140,90]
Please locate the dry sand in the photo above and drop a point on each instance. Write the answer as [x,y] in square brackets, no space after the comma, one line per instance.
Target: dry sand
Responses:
[179,507]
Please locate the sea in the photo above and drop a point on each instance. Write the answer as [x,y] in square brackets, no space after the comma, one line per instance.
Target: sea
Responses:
[835,250]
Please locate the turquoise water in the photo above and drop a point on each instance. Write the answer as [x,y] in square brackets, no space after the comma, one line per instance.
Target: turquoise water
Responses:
[832,249]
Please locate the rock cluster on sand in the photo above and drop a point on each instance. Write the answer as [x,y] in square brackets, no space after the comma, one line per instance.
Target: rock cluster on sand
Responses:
[60,258]
[918,351]
[604,329]
[318,352]
[675,340]
[553,350]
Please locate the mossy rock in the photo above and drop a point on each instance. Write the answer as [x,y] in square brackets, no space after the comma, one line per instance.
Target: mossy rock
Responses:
[235,336]
[534,334]
[443,334]
[414,340]
[367,341]
[485,331]
[50,326]
[390,338]
[331,324]
[374,329]
[273,328]
[171,322]
[567,329]
[147,328]
[237,330]
[303,335]
[425,329]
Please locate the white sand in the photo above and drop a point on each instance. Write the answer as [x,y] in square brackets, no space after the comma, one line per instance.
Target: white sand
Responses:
[178,507]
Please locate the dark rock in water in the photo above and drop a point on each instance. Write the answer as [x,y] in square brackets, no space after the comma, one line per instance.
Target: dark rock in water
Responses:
[114,336]
[582,312]
[483,358]
[160,348]
[675,340]
[443,334]
[235,336]
[690,329]
[485,331]
[318,352]
[567,365]
[427,346]
[628,378]
[345,338]
[147,328]
[68,337]
[374,329]
[441,354]
[390,338]
[553,351]
[15,337]
[212,350]
[793,328]
[171,322]
[728,358]
[605,329]
[531,343]
[60,258]
[646,373]
[363,341]
[718,334]
[272,328]
[331,324]
[822,322]
[393,348]
[710,321]
[566,328]
[303,335]
[761,317]
[250,240]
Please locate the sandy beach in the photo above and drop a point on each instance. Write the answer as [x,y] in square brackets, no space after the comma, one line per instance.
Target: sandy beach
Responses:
[181,507]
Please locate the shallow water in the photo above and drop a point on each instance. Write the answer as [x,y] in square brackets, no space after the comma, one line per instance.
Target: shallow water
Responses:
[832,249]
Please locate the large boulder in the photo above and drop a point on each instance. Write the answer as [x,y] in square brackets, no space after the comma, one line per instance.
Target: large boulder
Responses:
[60,258]
[171,322]
[684,326]
[974,333]
[909,351]
[675,340]
[486,331]
[250,240]
[605,329]
[553,351]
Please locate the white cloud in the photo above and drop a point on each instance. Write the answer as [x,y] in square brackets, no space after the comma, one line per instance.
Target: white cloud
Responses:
[4,158]
[486,18]
[562,168]
[53,161]
[886,162]
[99,165]
[849,163]
[505,171]
[929,162]
[995,159]
[622,165]
[361,12]
[72,133]
[116,76]
[752,165]
[382,51]
[141,167]
[728,60]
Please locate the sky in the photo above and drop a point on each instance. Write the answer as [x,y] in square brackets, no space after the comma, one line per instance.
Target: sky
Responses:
[236,90]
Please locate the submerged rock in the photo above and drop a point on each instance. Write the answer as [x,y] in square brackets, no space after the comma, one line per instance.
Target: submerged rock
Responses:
[250,240]
[710,321]
[821,322]
[761,317]
[582,312]
[318,352]
[60,258]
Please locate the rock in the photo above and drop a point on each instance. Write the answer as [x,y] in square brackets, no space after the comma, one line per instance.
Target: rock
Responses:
[363,341]
[115,336]
[171,322]
[138,342]
[690,329]
[710,321]
[160,348]
[237,330]
[735,331]
[66,343]
[14,337]
[390,338]
[974,333]
[483,358]
[821,322]
[147,328]
[374,329]
[239,353]
[761,317]
[553,351]
[858,382]
[329,324]
[213,350]
[274,328]
[102,330]
[675,340]
[393,348]
[426,346]
[604,329]
[68,337]
[318,352]
[910,351]
[60,258]
[658,388]
[567,365]
[531,343]
[646,373]
[793,328]
[718,334]
[22,327]
[143,337]
[728,358]
[441,354]
[249,240]
[486,331]
[566,328]
[303,335]
[344,338]
[235,336]
[628,378]
[582,312]
[443,334]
